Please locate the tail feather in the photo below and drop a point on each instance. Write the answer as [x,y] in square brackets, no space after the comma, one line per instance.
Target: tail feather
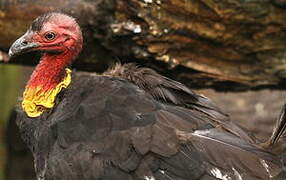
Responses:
[279,128]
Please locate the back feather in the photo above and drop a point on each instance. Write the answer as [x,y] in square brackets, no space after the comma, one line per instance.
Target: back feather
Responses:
[163,88]
[173,92]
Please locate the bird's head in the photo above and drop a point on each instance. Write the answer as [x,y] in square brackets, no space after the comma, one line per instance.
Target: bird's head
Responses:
[51,33]
[59,38]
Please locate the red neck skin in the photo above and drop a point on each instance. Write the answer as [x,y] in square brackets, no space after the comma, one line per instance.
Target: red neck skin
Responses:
[50,71]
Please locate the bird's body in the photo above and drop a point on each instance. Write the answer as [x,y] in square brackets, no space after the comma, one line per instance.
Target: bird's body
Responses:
[132,123]
[106,127]
[110,126]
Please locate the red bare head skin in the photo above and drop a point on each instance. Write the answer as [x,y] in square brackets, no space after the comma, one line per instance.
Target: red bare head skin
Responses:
[59,38]
[56,32]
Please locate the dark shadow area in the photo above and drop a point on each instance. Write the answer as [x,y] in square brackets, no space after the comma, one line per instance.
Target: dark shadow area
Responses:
[19,164]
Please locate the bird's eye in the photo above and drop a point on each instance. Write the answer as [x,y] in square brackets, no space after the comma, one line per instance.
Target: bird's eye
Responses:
[50,36]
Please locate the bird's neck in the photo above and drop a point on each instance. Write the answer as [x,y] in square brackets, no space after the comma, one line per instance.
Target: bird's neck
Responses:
[49,72]
[47,80]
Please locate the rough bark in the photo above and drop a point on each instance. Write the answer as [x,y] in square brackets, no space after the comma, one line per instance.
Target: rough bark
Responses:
[223,44]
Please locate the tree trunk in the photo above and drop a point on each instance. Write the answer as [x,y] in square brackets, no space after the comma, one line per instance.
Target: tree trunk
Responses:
[205,43]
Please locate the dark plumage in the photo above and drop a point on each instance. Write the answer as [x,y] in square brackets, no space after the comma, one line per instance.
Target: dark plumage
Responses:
[38,23]
[132,123]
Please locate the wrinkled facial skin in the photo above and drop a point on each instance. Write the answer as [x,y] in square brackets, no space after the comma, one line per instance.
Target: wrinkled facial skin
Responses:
[50,39]
[53,38]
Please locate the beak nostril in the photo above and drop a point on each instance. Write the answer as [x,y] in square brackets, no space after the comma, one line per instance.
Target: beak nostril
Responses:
[24,42]
[21,46]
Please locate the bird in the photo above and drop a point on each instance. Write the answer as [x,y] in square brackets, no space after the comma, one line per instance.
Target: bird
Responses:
[128,123]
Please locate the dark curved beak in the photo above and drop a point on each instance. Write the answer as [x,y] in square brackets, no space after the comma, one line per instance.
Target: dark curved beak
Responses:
[22,45]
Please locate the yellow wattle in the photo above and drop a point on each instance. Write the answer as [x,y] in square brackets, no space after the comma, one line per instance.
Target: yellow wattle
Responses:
[35,101]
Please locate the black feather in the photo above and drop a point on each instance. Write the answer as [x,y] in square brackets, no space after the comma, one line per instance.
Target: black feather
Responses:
[38,23]
[279,128]
[105,127]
